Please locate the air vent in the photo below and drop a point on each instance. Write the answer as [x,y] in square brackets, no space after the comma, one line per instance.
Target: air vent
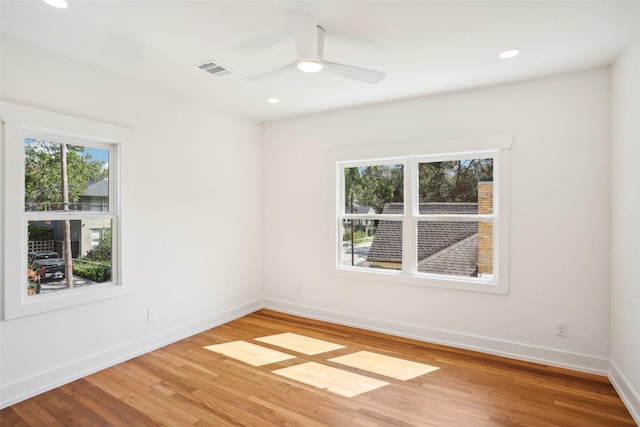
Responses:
[213,68]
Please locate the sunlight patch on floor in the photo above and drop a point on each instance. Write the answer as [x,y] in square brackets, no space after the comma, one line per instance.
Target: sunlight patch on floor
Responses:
[320,375]
[300,343]
[384,365]
[249,353]
[335,380]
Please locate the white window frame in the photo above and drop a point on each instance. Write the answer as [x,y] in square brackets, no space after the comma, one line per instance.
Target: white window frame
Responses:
[410,155]
[20,122]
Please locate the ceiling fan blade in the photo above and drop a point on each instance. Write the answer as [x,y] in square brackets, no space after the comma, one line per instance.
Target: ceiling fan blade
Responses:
[304,30]
[272,73]
[364,75]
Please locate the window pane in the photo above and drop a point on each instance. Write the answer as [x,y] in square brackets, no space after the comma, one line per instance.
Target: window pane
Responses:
[372,189]
[456,187]
[87,172]
[91,244]
[372,244]
[455,248]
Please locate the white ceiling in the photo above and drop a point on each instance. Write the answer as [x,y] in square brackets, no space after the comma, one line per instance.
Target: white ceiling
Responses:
[424,47]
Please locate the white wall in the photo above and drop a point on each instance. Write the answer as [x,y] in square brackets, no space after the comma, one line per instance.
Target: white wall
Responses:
[560,181]
[625,230]
[196,222]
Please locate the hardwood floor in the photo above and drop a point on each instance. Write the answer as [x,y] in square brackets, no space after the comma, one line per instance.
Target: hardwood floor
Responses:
[186,384]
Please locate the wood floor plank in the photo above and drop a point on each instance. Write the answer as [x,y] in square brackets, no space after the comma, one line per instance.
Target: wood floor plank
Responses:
[33,413]
[105,405]
[186,384]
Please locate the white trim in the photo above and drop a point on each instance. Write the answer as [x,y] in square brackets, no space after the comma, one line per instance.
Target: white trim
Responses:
[440,146]
[393,161]
[421,279]
[388,217]
[19,120]
[629,396]
[61,124]
[41,382]
[513,350]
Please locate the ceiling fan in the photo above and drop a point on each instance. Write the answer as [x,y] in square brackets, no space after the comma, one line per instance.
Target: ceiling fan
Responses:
[309,41]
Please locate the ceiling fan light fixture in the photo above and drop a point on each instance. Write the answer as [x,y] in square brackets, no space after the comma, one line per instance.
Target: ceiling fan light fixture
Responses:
[60,4]
[308,38]
[309,66]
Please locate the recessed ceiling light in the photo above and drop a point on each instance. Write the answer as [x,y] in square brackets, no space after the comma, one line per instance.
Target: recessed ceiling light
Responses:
[60,4]
[310,66]
[509,53]
[273,100]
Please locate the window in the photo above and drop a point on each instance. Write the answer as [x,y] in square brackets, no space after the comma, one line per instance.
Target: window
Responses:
[64,216]
[373,200]
[74,179]
[455,218]
[435,220]
[96,237]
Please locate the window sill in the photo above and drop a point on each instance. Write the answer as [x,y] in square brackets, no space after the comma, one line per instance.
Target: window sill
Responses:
[36,304]
[424,280]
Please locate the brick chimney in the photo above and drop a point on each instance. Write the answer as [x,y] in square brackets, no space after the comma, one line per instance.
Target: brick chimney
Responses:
[485,229]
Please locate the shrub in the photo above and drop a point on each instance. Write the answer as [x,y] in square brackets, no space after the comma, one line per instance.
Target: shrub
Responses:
[40,233]
[95,272]
[358,235]
[102,252]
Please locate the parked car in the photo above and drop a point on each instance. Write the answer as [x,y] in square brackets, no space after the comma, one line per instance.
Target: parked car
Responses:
[47,264]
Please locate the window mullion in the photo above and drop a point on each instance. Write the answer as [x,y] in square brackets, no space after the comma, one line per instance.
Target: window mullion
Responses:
[390,217]
[457,217]
[409,238]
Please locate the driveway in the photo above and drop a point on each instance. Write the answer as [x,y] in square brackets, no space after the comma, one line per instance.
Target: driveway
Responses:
[360,252]
[47,285]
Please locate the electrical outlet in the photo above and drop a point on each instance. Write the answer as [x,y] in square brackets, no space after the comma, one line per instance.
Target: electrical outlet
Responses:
[151,314]
[561,329]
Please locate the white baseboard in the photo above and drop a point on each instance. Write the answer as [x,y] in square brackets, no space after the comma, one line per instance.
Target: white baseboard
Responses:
[513,350]
[629,396]
[39,383]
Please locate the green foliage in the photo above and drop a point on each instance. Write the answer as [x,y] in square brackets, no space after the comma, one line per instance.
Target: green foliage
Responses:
[373,186]
[96,265]
[43,178]
[453,181]
[102,252]
[358,236]
[95,272]
[37,233]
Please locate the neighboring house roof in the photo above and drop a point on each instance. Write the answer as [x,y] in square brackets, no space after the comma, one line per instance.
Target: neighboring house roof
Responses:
[97,189]
[360,210]
[365,210]
[433,236]
[460,259]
